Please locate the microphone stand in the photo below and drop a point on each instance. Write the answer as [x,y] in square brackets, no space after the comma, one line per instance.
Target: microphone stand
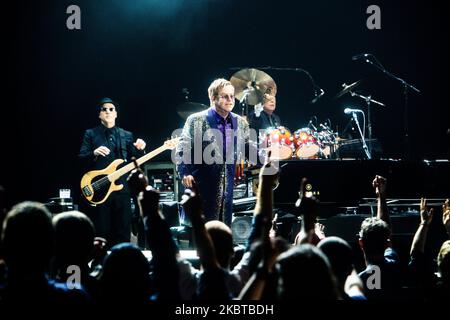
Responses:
[406,86]
[366,150]
[368,100]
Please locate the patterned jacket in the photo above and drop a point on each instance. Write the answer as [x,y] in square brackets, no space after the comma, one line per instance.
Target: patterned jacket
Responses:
[200,154]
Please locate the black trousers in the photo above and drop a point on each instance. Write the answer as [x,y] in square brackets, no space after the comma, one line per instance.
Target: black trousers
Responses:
[112,219]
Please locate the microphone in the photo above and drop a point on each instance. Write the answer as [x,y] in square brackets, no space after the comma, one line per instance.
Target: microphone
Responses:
[359,56]
[317,97]
[349,110]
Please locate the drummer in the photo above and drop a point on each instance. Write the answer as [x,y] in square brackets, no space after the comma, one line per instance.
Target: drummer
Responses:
[264,117]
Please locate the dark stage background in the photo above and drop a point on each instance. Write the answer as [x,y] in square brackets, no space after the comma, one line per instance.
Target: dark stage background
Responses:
[143,52]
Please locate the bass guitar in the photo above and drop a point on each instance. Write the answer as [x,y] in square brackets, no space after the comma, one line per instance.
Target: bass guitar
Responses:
[97,185]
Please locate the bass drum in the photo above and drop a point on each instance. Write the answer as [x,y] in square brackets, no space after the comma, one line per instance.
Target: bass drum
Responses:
[306,144]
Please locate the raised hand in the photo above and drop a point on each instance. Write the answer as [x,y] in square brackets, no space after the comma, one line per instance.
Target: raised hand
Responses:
[426,215]
[137,181]
[319,229]
[268,172]
[308,209]
[188,181]
[308,206]
[379,183]
[192,203]
[147,197]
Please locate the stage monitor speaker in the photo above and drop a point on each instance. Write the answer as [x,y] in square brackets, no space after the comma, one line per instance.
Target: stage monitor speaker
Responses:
[241,226]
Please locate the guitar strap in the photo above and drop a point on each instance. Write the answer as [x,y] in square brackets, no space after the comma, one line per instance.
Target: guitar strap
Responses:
[122,144]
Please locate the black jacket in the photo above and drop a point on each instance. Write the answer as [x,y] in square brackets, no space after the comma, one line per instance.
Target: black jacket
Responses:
[96,137]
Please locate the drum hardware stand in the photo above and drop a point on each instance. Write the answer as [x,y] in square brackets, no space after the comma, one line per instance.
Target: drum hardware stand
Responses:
[244,102]
[366,150]
[331,142]
[335,148]
[315,86]
[406,86]
[310,123]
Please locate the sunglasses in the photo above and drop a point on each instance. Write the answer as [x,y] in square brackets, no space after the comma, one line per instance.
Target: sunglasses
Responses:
[227,97]
[106,109]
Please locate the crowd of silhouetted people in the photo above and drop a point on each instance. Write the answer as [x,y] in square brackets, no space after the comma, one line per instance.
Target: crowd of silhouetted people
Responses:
[59,259]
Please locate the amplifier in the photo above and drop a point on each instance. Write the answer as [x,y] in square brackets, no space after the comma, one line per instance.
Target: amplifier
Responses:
[59,205]
[162,177]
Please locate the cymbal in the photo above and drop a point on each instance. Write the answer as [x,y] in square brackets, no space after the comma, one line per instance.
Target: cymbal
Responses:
[347,88]
[185,109]
[254,82]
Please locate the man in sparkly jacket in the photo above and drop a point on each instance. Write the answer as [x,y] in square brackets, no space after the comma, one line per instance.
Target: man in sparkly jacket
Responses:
[212,141]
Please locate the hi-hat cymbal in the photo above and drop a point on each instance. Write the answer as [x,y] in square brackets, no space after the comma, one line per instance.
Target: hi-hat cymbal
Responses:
[185,109]
[255,83]
[347,88]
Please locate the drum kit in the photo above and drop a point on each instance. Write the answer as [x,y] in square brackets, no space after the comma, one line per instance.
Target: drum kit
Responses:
[305,143]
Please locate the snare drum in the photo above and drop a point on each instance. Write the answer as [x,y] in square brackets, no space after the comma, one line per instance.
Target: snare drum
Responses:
[280,142]
[306,144]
